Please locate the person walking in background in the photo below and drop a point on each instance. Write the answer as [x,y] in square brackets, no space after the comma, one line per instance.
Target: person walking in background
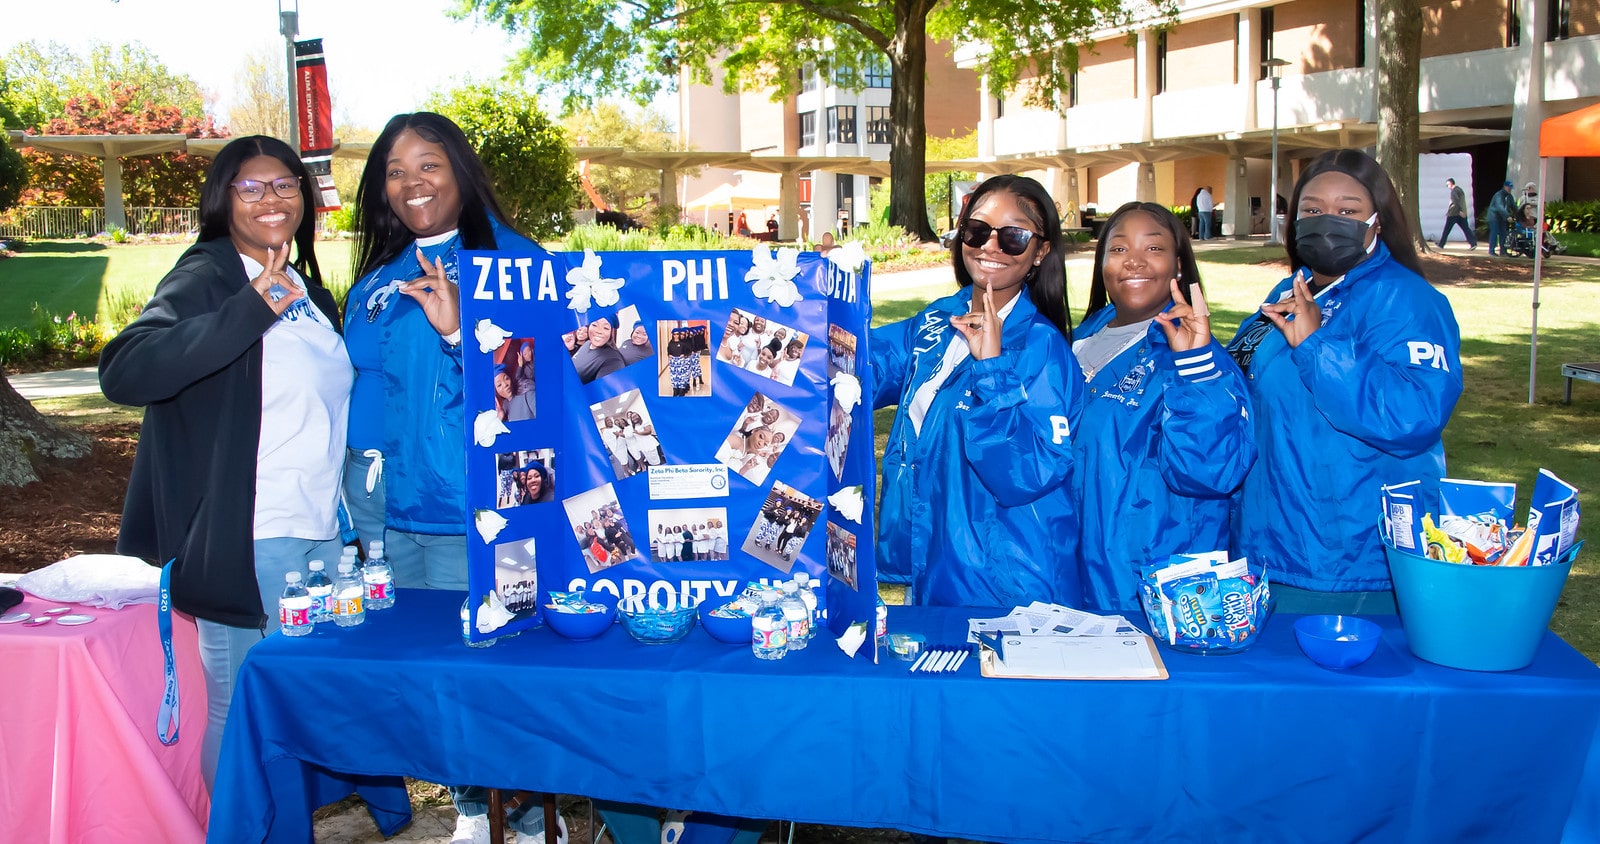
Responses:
[1457,215]
[1500,210]
[1205,207]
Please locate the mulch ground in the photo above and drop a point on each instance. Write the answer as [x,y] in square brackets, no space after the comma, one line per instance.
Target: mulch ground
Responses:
[74,508]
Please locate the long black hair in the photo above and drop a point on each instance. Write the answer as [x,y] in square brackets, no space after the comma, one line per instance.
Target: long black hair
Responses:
[1047,283]
[1395,231]
[1188,271]
[379,234]
[216,197]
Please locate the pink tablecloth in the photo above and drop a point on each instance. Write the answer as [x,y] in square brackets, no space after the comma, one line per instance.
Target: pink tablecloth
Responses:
[79,757]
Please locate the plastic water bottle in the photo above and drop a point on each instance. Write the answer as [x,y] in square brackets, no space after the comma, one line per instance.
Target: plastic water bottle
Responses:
[769,632]
[808,596]
[796,616]
[321,588]
[466,626]
[349,594]
[379,578]
[294,608]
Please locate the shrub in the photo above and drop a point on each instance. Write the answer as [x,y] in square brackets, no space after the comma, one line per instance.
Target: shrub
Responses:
[78,339]
[1567,217]
[340,219]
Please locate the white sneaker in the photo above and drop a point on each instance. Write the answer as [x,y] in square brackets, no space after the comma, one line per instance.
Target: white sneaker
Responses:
[471,829]
[538,838]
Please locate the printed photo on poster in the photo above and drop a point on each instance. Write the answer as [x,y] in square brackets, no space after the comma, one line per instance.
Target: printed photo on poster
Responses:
[687,371]
[627,433]
[689,533]
[513,380]
[841,351]
[758,438]
[594,346]
[633,337]
[766,348]
[525,477]
[781,528]
[516,577]
[599,528]
[842,555]
[838,442]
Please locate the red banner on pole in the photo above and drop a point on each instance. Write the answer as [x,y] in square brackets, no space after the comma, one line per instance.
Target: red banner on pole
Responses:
[314,117]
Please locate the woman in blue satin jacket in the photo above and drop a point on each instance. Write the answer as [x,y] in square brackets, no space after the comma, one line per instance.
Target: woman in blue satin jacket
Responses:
[1166,433]
[1354,366]
[423,197]
[977,477]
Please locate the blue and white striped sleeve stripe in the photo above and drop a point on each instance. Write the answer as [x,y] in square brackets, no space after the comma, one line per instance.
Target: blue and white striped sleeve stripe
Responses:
[1197,367]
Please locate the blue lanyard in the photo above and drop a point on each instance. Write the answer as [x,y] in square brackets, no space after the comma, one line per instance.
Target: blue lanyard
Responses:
[167,719]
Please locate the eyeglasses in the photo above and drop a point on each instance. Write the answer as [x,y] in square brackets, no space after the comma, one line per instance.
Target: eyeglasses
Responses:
[1014,240]
[251,190]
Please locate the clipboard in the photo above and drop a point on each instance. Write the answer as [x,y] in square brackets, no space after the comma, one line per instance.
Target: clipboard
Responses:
[1073,654]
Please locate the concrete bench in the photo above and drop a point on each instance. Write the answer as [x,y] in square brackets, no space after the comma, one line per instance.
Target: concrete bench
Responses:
[1580,371]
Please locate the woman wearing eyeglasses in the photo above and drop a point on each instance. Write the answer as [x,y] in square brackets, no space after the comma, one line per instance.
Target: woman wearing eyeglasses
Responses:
[977,476]
[238,362]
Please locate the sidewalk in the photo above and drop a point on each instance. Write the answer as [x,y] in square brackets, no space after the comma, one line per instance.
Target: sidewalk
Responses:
[51,385]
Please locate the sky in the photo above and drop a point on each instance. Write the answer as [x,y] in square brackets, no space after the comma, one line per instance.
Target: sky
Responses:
[384,56]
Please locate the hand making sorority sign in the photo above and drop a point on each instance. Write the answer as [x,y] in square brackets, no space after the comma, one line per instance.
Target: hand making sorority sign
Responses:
[670,425]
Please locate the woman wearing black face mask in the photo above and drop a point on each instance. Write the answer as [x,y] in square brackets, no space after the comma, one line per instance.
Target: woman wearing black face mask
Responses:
[1353,365]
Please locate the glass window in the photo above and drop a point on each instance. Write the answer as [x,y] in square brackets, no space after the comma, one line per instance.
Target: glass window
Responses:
[877,73]
[808,77]
[842,125]
[808,128]
[878,125]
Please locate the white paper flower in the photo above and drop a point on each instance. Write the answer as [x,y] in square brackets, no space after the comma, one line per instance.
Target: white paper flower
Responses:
[774,277]
[848,256]
[848,502]
[587,285]
[489,524]
[493,615]
[846,391]
[486,427]
[489,335]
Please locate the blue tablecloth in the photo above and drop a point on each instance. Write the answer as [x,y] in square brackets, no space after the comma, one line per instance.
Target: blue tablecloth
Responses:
[1262,746]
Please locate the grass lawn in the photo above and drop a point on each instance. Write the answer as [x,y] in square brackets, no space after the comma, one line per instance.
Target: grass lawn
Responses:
[104,279]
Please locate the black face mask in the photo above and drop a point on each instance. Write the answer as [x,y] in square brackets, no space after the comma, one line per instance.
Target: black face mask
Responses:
[1332,245]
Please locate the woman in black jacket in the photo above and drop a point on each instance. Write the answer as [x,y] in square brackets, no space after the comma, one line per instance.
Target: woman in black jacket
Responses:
[242,372]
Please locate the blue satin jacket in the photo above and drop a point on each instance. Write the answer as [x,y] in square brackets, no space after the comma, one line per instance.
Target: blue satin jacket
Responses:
[1361,403]
[1164,439]
[424,439]
[978,510]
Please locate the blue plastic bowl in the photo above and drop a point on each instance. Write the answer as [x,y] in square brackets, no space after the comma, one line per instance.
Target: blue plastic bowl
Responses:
[656,625]
[1337,641]
[581,627]
[732,631]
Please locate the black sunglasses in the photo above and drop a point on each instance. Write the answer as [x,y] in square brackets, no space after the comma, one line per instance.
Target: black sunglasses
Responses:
[1014,240]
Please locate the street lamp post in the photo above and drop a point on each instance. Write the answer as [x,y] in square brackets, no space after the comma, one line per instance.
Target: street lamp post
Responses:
[1273,67]
[289,27]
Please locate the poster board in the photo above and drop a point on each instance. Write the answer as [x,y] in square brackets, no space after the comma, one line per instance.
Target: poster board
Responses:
[668,425]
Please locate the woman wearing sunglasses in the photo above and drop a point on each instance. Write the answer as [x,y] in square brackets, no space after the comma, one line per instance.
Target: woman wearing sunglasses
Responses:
[977,476]
[243,375]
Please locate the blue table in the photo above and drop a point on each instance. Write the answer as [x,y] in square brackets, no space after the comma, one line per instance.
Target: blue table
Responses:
[1262,746]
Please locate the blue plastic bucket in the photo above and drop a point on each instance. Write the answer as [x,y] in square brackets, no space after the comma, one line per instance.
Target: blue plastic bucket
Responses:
[1479,618]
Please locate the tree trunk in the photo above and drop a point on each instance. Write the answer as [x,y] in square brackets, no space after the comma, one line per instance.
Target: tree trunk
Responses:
[1399,60]
[27,437]
[908,61]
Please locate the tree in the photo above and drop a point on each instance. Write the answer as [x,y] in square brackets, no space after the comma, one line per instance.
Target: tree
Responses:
[630,189]
[527,156]
[41,79]
[27,437]
[637,46]
[259,106]
[168,180]
[1399,63]
[13,176]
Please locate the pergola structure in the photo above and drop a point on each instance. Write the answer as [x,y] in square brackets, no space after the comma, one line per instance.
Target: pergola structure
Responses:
[1239,145]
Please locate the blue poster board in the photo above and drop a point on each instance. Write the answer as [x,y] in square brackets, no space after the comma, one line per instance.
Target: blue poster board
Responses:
[671,425]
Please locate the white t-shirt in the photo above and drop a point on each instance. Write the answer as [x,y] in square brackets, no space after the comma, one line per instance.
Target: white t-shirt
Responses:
[305,404]
[1103,347]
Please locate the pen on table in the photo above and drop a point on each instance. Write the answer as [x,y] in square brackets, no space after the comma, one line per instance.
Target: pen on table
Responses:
[944,662]
[960,658]
[921,659]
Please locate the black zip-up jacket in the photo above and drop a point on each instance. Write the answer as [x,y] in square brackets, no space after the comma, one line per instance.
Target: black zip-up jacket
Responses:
[192,360]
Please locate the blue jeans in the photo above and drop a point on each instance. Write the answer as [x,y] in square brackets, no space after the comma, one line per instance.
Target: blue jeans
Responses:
[222,648]
[527,818]
[1466,230]
[1205,224]
[1497,235]
[1306,602]
[419,560]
